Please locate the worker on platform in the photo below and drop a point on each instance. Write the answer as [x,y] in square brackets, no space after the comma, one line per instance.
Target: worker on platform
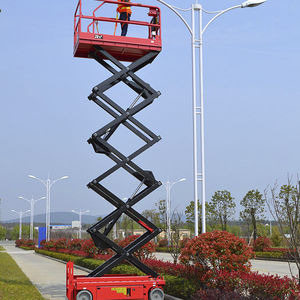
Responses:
[125,14]
[154,30]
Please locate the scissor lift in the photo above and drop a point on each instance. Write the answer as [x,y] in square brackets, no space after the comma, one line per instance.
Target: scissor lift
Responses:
[109,50]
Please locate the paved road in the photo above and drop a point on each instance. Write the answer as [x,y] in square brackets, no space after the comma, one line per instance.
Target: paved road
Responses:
[261,266]
[47,275]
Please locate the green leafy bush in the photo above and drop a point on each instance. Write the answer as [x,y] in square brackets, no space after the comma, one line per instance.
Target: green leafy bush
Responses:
[179,287]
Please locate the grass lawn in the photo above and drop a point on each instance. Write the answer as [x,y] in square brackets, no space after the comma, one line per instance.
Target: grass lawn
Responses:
[2,249]
[13,282]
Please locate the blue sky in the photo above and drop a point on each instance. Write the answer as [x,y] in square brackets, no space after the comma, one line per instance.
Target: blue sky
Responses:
[251,86]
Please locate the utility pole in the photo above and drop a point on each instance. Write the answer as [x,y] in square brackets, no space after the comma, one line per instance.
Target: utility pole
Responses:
[80,213]
[31,202]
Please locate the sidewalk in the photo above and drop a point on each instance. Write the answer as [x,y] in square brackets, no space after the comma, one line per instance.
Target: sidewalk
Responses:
[47,275]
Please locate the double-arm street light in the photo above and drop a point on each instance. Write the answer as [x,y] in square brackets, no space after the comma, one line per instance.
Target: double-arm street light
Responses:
[20,213]
[48,183]
[80,213]
[168,185]
[198,99]
[31,202]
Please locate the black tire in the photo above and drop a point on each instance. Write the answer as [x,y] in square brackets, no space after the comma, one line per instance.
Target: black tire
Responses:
[156,294]
[84,295]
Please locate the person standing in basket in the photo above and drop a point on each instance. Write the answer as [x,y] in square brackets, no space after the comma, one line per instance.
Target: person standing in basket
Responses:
[125,14]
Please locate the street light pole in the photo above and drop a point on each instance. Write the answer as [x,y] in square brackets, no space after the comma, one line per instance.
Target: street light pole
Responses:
[20,213]
[198,101]
[48,183]
[31,202]
[80,213]
[168,185]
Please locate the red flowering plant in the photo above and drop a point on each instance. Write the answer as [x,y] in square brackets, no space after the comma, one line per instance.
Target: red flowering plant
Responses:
[254,285]
[60,244]
[25,243]
[142,253]
[180,270]
[183,242]
[261,243]
[74,244]
[48,245]
[217,250]
[89,248]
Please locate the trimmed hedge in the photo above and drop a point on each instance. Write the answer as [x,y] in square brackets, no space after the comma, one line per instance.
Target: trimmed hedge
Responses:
[269,255]
[162,249]
[175,286]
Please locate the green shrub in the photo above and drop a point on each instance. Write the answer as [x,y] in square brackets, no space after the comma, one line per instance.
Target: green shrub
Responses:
[276,237]
[269,254]
[179,287]
[162,249]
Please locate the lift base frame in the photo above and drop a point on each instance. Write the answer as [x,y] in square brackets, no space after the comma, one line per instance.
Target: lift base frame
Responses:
[112,286]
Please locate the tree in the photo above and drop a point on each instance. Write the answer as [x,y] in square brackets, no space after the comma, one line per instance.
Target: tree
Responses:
[2,232]
[152,215]
[25,232]
[276,237]
[190,215]
[235,229]
[176,225]
[254,208]
[224,207]
[162,213]
[284,206]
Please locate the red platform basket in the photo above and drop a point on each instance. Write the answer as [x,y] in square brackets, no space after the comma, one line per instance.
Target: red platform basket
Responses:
[123,48]
[113,286]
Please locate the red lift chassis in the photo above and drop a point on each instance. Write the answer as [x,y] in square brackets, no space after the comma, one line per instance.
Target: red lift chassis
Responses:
[112,286]
[109,50]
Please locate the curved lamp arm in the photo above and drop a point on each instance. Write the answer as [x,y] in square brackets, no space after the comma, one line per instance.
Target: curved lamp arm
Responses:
[41,180]
[178,14]
[54,181]
[219,14]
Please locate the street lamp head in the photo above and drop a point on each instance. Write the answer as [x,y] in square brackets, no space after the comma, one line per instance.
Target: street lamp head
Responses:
[182,179]
[64,177]
[31,176]
[252,3]
[20,197]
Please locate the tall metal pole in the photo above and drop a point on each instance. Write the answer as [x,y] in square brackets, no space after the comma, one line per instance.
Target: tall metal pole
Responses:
[199,110]
[80,213]
[195,146]
[20,225]
[168,188]
[80,226]
[203,175]
[48,184]
[48,210]
[31,202]
[20,213]
[168,185]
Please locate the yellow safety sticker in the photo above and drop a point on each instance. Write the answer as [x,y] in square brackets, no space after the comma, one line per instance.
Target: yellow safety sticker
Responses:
[120,290]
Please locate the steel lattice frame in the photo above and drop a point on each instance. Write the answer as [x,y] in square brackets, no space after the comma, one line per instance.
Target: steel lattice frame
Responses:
[99,140]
